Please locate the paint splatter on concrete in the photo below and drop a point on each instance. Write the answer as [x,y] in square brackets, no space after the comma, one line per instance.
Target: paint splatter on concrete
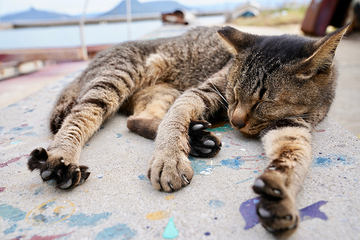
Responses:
[216,203]
[157,215]
[170,231]
[201,167]
[15,159]
[330,160]
[51,211]
[38,190]
[119,231]
[233,163]
[248,212]
[10,213]
[170,197]
[11,229]
[142,177]
[82,220]
[313,211]
[2,189]
[118,135]
[224,128]
[245,180]
[49,237]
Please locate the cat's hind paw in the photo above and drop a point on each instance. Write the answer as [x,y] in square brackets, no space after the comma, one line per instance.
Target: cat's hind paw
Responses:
[66,175]
[203,143]
[276,209]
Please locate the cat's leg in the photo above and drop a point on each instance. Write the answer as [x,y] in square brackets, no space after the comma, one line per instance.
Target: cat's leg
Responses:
[64,105]
[169,168]
[288,147]
[149,106]
[99,100]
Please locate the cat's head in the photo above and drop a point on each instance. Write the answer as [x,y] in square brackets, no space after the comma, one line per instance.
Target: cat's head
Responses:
[279,77]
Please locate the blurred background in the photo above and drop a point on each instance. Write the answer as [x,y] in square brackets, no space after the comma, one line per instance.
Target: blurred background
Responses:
[42,41]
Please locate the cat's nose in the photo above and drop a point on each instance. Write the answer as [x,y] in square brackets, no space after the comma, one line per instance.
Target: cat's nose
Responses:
[238,119]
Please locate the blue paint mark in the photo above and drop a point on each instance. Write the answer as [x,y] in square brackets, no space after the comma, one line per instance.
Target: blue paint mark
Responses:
[12,105]
[142,177]
[30,134]
[29,110]
[245,180]
[248,212]
[225,128]
[11,229]
[170,231]
[38,190]
[329,160]
[11,213]
[118,135]
[15,142]
[233,163]
[201,166]
[21,128]
[49,204]
[207,233]
[82,220]
[119,231]
[216,203]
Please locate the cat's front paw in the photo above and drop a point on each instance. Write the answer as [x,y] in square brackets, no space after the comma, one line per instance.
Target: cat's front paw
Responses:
[202,143]
[276,209]
[170,172]
[67,175]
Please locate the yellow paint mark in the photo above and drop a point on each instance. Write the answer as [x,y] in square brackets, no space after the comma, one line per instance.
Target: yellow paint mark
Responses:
[157,215]
[67,207]
[58,209]
[170,197]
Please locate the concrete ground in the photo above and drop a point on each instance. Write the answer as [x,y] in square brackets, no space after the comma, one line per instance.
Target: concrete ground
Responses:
[118,202]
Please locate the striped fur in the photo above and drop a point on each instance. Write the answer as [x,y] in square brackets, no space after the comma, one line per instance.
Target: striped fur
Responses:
[277,87]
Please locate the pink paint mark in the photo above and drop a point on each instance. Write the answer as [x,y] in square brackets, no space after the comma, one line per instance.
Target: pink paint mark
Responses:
[2,189]
[15,159]
[50,237]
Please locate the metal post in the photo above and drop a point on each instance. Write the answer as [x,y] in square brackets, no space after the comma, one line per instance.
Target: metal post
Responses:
[128,18]
[84,53]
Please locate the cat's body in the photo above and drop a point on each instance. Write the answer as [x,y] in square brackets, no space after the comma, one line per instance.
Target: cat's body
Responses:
[277,86]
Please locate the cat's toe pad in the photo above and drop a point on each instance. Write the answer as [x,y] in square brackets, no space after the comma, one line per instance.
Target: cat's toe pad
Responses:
[277,217]
[270,185]
[203,143]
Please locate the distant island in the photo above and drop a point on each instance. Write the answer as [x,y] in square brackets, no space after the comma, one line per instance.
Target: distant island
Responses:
[137,8]
[33,14]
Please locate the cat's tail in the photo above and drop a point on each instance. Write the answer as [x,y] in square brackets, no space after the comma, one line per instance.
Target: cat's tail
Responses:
[64,105]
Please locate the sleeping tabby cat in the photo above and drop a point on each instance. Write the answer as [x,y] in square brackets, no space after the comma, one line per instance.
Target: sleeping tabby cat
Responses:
[275,87]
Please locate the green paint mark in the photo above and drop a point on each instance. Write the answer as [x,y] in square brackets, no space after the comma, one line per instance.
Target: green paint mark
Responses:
[224,128]
[170,231]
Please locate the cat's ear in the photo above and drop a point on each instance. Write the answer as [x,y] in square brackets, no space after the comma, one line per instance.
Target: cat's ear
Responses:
[235,40]
[324,53]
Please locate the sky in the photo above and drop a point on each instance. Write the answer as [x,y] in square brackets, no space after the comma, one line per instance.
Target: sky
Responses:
[75,6]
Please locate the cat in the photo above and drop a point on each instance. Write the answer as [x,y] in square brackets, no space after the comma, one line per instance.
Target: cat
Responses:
[273,87]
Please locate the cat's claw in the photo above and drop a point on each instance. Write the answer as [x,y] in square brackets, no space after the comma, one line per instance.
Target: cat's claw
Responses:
[66,175]
[276,209]
[203,143]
